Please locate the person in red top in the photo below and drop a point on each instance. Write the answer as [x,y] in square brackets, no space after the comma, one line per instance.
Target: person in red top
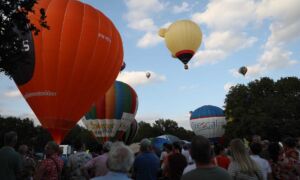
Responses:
[51,167]
[221,159]
[289,161]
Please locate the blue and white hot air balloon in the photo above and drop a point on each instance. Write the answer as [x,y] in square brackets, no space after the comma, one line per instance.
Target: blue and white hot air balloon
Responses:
[208,121]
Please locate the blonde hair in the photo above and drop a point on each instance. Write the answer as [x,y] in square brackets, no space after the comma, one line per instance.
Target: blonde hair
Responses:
[241,156]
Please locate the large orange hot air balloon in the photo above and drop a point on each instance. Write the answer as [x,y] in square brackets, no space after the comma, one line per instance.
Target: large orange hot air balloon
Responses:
[70,65]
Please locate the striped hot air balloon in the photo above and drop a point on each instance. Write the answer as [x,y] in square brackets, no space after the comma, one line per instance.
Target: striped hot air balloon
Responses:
[130,133]
[208,121]
[68,66]
[112,114]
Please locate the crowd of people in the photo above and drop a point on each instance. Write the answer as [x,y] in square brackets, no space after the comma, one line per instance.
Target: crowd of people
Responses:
[257,160]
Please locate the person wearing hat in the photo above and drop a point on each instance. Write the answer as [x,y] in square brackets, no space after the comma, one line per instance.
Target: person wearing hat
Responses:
[98,164]
[146,164]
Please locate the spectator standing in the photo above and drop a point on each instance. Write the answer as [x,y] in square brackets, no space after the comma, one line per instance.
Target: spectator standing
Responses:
[28,164]
[10,160]
[98,164]
[146,164]
[221,159]
[242,167]
[119,162]
[263,164]
[51,167]
[77,161]
[201,153]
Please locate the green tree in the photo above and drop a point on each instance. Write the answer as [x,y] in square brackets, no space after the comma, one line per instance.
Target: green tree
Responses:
[264,107]
[13,23]
[145,131]
[160,127]
[82,134]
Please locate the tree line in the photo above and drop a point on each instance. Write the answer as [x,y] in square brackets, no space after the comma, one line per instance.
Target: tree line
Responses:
[36,136]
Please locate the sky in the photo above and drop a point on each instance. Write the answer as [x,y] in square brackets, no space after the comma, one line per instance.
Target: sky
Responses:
[263,35]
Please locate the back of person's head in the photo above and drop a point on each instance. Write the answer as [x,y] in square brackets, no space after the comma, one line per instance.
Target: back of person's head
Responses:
[98,148]
[186,146]
[23,149]
[290,142]
[107,146]
[218,148]
[241,156]
[164,145]
[60,151]
[51,148]
[177,163]
[145,145]
[177,146]
[10,138]
[201,150]
[256,139]
[169,147]
[256,148]
[120,158]
[274,151]
[78,145]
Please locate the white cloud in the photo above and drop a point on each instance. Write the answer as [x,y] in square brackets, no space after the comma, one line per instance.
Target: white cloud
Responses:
[272,59]
[228,41]
[282,32]
[184,7]
[135,78]
[166,25]
[228,85]
[285,16]
[235,72]
[278,9]
[144,6]
[207,57]
[227,14]
[234,17]
[149,39]
[219,44]
[140,17]
[226,35]
[13,93]
[146,24]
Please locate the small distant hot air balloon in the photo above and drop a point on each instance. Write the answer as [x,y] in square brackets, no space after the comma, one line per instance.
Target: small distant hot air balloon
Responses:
[111,115]
[148,74]
[123,66]
[243,70]
[68,66]
[182,38]
[208,121]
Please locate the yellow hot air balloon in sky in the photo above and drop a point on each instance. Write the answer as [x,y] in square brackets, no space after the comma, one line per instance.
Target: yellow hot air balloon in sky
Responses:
[182,38]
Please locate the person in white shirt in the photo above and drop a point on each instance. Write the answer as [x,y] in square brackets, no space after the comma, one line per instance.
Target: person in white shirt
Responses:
[263,164]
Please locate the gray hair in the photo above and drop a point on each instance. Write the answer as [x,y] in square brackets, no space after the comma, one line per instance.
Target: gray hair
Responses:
[120,158]
[145,145]
[106,146]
